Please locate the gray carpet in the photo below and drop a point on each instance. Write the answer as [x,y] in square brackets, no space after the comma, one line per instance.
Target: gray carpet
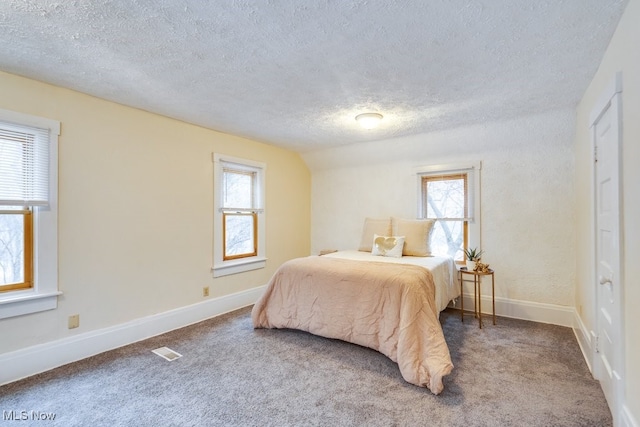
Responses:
[516,373]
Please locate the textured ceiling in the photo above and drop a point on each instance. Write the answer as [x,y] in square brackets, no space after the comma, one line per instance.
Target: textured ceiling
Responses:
[295,73]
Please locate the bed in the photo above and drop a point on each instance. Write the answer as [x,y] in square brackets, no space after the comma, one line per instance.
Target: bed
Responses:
[443,269]
[387,303]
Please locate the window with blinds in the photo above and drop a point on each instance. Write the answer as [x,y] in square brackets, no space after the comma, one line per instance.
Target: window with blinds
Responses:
[24,184]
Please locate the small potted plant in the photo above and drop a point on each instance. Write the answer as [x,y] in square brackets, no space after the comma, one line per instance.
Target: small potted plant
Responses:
[473,255]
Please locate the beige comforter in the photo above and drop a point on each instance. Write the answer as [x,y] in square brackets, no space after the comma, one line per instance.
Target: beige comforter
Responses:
[389,308]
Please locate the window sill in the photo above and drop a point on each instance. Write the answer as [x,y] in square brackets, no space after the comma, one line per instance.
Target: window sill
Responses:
[238,266]
[19,303]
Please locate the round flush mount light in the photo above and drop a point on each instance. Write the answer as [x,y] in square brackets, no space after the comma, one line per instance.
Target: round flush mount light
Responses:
[369,120]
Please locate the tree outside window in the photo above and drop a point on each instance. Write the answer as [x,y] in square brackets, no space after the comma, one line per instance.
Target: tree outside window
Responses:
[15,249]
[445,198]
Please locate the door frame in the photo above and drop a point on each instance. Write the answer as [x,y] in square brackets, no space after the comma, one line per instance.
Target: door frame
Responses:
[611,97]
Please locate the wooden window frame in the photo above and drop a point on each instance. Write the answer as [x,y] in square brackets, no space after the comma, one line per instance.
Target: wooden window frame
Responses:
[254,217]
[425,179]
[27,252]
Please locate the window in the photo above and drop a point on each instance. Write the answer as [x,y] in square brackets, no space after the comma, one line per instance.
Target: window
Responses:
[16,246]
[28,214]
[447,194]
[239,215]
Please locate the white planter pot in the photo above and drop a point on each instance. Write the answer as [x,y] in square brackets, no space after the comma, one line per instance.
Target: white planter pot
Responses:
[471,265]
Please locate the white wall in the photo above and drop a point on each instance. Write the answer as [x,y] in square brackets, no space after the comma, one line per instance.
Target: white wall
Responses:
[136,212]
[527,198]
[623,55]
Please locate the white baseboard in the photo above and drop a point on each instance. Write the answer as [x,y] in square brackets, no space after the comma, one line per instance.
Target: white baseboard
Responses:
[626,418]
[584,339]
[586,342]
[43,357]
[525,310]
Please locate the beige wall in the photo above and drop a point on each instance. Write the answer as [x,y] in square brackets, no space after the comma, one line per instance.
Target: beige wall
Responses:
[622,55]
[135,211]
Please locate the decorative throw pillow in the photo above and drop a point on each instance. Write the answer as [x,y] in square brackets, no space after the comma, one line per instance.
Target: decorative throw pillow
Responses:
[390,246]
[417,234]
[373,226]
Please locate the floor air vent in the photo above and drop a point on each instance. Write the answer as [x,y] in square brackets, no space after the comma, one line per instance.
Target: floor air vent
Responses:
[167,353]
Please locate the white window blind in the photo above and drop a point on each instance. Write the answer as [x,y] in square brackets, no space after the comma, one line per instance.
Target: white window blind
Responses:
[24,165]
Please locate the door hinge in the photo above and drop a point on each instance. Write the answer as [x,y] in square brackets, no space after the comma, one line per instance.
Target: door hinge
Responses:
[596,343]
[595,154]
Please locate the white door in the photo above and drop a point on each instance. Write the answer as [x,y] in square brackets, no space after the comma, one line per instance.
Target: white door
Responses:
[606,136]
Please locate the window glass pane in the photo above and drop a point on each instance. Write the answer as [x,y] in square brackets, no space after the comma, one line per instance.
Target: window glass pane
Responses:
[238,189]
[445,198]
[11,248]
[239,235]
[447,238]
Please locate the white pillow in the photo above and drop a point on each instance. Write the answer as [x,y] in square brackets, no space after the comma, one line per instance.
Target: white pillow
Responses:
[390,246]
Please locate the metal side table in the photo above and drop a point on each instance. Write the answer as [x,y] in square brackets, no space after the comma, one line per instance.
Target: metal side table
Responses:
[477,295]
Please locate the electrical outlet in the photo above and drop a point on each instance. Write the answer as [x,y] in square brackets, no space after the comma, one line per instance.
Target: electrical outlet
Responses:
[205,291]
[74,321]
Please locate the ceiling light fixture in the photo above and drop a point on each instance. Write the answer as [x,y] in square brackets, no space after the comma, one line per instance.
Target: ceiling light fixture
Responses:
[369,120]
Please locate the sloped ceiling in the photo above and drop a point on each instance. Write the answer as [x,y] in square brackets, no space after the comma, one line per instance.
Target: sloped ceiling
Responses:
[295,73]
